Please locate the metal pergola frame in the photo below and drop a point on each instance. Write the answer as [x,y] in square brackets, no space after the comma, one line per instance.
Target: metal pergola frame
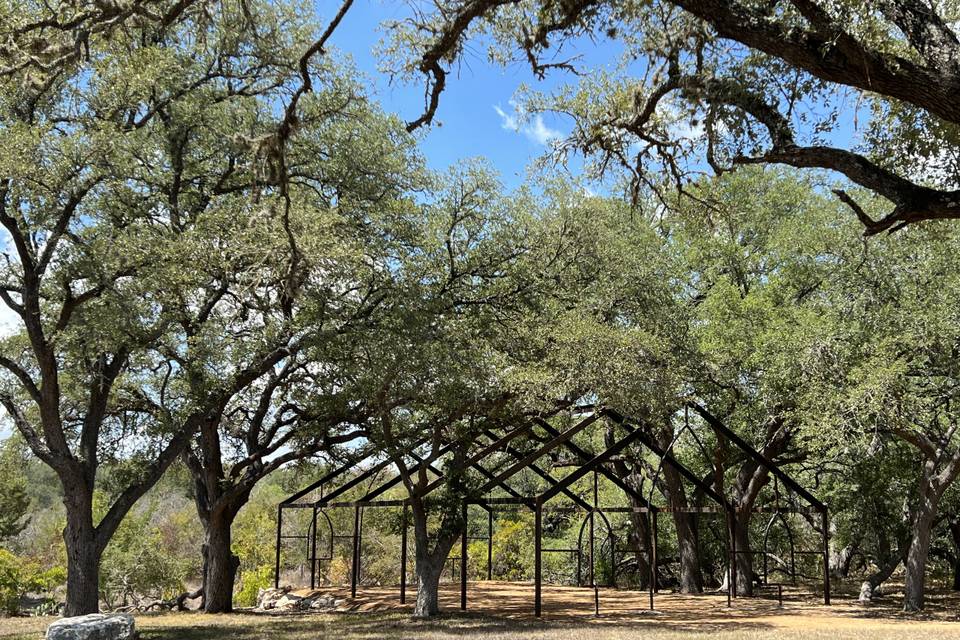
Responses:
[528,461]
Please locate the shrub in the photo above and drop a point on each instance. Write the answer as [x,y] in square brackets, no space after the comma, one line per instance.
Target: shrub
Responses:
[137,564]
[250,584]
[512,549]
[19,576]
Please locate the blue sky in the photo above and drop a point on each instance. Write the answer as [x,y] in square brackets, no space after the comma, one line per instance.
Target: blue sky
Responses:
[476,116]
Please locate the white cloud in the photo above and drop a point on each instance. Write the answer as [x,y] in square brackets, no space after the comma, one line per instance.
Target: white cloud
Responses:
[508,121]
[534,129]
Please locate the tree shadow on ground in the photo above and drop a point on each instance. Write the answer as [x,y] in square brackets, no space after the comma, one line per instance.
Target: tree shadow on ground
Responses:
[364,625]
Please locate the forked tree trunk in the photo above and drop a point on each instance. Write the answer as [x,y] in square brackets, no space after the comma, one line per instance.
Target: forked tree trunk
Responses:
[219,564]
[868,588]
[429,566]
[916,562]
[83,554]
[887,562]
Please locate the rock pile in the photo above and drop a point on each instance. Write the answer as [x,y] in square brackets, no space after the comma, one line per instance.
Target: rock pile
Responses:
[285,600]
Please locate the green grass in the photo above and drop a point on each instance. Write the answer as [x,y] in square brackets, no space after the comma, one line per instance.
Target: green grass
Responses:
[368,625]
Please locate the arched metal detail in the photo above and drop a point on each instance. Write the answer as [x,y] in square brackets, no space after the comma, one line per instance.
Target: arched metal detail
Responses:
[766,539]
[610,535]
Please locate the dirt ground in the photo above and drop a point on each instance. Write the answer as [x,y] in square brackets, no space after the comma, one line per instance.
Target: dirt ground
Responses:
[801,609]
[501,610]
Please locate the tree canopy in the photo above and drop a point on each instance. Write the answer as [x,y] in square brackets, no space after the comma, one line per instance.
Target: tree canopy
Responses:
[727,84]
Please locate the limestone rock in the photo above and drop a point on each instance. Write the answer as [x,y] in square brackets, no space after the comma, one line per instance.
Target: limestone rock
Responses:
[289,601]
[268,598]
[96,626]
[324,602]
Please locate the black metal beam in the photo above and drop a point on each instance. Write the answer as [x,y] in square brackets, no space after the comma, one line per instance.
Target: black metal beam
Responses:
[389,484]
[587,467]
[486,451]
[395,480]
[744,446]
[354,461]
[350,484]
[606,473]
[546,448]
[517,455]
[668,457]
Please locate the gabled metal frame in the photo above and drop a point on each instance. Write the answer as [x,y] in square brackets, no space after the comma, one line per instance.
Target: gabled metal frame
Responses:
[721,429]
[528,461]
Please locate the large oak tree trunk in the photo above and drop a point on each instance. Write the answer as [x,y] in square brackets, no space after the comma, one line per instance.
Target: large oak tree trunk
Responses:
[954,523]
[639,540]
[691,579]
[744,559]
[915,565]
[429,568]
[83,554]
[220,564]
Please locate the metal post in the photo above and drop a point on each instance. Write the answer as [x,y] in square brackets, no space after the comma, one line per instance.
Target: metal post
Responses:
[765,571]
[593,581]
[656,542]
[825,523]
[355,565]
[490,544]
[733,552]
[276,571]
[359,548]
[729,563]
[537,564]
[579,563]
[653,556]
[403,557]
[463,560]
[793,562]
[593,559]
[613,559]
[313,552]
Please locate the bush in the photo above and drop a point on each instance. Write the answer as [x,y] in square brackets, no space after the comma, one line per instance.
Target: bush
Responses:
[512,549]
[19,576]
[14,502]
[250,584]
[259,515]
[138,565]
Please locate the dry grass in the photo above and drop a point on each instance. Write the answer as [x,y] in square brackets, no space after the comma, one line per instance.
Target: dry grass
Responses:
[503,610]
